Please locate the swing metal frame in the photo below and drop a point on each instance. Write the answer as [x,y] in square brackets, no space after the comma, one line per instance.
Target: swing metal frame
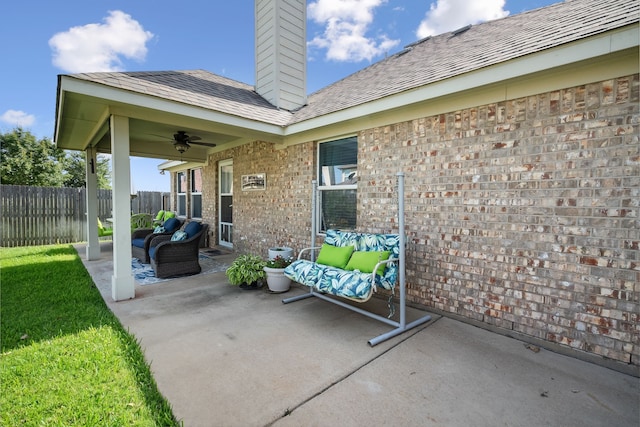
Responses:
[399,326]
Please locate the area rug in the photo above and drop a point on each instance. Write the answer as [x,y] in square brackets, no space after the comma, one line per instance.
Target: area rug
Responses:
[144,275]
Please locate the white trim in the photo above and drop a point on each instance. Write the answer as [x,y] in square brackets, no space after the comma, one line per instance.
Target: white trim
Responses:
[179,165]
[221,225]
[322,188]
[184,172]
[131,100]
[195,193]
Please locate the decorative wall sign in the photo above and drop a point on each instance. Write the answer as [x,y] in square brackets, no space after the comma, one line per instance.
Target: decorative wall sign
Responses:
[253,182]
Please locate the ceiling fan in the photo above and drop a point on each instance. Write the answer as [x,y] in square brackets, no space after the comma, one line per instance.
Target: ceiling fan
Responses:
[182,142]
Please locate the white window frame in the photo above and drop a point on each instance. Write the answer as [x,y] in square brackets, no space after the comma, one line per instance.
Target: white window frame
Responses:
[193,193]
[341,173]
[181,197]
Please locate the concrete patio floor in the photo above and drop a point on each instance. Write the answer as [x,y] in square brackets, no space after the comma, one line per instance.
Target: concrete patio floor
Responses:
[227,357]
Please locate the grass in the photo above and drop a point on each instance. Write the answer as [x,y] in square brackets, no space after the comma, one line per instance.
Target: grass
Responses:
[66,359]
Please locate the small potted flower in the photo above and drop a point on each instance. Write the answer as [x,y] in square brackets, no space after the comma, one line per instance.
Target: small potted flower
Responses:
[276,280]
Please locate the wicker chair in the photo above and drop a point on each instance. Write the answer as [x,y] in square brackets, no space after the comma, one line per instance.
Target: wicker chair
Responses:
[141,239]
[176,258]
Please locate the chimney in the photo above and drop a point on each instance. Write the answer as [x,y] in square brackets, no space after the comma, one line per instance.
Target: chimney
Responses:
[281,50]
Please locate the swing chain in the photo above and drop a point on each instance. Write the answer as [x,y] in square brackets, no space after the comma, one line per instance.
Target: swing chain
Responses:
[391,305]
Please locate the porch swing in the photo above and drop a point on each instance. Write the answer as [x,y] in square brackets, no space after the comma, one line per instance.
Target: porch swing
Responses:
[353,266]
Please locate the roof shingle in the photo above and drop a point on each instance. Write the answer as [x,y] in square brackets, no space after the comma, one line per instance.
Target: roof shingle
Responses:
[421,63]
[447,55]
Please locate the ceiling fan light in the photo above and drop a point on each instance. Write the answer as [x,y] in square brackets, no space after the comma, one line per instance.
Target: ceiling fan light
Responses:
[181,146]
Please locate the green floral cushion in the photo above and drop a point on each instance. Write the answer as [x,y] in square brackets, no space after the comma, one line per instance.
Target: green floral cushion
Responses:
[371,242]
[354,284]
[304,272]
[347,284]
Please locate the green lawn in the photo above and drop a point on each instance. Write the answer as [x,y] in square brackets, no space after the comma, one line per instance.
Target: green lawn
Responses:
[66,360]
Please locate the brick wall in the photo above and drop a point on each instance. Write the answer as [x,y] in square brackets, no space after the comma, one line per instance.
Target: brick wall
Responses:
[280,214]
[522,214]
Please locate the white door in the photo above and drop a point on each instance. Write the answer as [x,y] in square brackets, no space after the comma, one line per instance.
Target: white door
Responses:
[225,202]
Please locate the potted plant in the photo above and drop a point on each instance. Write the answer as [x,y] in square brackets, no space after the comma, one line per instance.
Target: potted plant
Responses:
[276,280]
[247,271]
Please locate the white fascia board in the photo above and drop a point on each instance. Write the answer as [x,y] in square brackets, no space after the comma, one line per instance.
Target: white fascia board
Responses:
[115,95]
[167,165]
[59,104]
[568,54]
[179,165]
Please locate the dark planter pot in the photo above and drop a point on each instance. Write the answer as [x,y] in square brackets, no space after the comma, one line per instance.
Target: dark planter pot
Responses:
[250,286]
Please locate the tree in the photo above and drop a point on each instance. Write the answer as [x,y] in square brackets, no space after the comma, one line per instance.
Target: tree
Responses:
[24,160]
[75,172]
[27,161]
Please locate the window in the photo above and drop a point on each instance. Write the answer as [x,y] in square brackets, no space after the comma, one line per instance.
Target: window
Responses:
[337,169]
[196,193]
[181,187]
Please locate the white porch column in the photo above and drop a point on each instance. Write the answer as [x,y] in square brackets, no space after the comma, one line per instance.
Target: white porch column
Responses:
[93,244]
[122,283]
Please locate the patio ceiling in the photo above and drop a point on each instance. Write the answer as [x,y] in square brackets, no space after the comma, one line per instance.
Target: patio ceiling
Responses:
[84,107]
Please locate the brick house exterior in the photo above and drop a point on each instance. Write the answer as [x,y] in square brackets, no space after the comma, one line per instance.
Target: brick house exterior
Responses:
[521,215]
[522,165]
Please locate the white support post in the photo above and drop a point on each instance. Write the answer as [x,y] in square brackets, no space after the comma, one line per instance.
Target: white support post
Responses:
[403,248]
[93,243]
[122,283]
[314,216]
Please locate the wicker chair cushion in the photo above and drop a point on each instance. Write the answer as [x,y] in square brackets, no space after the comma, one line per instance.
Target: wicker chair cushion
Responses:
[138,242]
[192,229]
[171,225]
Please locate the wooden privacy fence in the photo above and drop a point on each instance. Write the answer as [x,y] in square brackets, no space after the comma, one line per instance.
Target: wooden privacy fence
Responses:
[49,215]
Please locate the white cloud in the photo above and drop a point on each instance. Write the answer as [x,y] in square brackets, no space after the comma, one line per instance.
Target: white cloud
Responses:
[18,118]
[100,47]
[346,23]
[449,15]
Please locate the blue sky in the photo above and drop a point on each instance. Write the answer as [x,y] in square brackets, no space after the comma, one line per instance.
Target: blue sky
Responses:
[43,38]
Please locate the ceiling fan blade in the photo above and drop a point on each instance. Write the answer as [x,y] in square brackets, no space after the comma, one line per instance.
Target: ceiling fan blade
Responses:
[194,138]
[206,144]
[159,136]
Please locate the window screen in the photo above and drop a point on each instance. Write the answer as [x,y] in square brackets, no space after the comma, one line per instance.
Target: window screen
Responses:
[337,184]
[196,193]
[181,185]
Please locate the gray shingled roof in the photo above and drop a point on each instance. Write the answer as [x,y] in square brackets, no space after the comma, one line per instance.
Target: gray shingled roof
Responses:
[421,63]
[448,55]
[195,87]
